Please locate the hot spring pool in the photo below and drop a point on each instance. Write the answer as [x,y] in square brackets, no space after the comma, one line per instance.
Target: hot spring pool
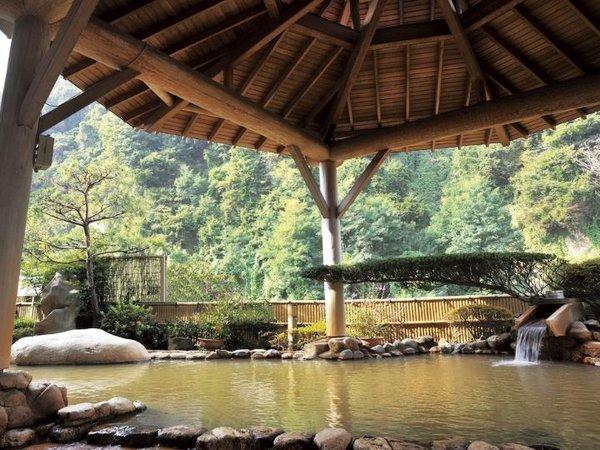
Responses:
[416,398]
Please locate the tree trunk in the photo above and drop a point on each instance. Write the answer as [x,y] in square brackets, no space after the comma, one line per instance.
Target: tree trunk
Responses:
[89,265]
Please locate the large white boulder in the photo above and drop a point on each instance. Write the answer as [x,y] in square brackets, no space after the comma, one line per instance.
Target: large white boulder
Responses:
[89,346]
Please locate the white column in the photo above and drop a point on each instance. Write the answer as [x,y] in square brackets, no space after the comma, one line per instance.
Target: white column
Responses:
[30,41]
[332,250]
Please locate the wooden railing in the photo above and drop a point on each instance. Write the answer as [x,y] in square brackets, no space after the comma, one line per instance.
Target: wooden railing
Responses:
[407,317]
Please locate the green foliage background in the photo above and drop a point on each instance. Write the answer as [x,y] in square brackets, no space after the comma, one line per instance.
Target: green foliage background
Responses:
[247,217]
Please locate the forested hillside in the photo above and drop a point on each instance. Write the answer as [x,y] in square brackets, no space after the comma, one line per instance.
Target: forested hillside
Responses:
[248,215]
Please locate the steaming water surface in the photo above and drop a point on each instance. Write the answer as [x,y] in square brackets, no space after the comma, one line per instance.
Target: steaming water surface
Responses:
[415,398]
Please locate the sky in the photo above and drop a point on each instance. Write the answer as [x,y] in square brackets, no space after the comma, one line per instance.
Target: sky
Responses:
[4,48]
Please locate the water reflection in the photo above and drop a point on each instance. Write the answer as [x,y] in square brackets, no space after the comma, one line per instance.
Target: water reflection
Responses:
[419,398]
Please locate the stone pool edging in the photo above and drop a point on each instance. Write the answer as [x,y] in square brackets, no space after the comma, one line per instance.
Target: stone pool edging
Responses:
[34,411]
[264,438]
[582,344]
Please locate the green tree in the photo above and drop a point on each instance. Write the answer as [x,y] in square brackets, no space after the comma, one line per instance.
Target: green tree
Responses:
[474,218]
[78,203]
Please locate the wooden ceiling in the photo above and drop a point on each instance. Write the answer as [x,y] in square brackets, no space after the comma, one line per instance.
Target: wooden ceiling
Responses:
[339,68]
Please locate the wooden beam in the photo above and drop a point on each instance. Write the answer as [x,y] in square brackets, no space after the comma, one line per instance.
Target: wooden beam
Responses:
[438,85]
[257,69]
[559,47]
[556,98]
[131,8]
[264,33]
[362,182]
[289,69]
[197,39]
[329,59]
[163,95]
[116,49]
[413,33]
[353,66]
[464,46]
[142,110]
[153,31]
[326,30]
[517,55]
[376,79]
[350,113]
[155,121]
[258,37]
[30,42]
[228,82]
[407,84]
[54,60]
[190,125]
[467,103]
[486,12]
[324,7]
[272,8]
[355,9]
[128,95]
[345,15]
[328,97]
[309,179]
[510,89]
[522,130]
[583,15]
[84,99]
[215,30]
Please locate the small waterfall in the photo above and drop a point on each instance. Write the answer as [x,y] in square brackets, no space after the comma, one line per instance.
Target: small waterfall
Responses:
[529,341]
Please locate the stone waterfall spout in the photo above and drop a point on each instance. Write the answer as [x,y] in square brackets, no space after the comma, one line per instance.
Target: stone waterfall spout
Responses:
[529,341]
[546,316]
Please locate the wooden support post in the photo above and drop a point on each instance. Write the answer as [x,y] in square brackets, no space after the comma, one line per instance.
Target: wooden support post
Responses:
[30,42]
[292,313]
[163,278]
[332,250]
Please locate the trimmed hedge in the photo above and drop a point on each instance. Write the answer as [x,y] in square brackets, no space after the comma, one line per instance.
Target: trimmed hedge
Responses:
[522,275]
[481,321]
[582,281]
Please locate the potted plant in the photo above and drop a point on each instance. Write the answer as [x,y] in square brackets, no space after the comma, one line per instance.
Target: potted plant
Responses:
[210,336]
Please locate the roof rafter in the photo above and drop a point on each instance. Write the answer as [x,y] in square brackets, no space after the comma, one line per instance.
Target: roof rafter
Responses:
[517,55]
[354,65]
[254,41]
[329,59]
[118,49]
[290,67]
[559,47]
[153,31]
[203,36]
[84,99]
[466,50]
[54,60]
[583,15]
[555,98]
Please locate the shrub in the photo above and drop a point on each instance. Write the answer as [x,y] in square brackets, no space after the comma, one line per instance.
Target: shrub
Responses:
[242,324]
[23,327]
[127,320]
[521,275]
[582,281]
[364,320]
[193,328]
[481,321]
[302,336]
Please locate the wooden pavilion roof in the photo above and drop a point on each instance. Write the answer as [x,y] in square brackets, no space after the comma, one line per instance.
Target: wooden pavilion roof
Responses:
[337,69]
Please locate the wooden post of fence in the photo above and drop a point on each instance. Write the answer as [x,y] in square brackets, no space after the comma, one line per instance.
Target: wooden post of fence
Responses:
[292,313]
[163,278]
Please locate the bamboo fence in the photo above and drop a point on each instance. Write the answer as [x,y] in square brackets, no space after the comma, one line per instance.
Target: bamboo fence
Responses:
[409,317]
